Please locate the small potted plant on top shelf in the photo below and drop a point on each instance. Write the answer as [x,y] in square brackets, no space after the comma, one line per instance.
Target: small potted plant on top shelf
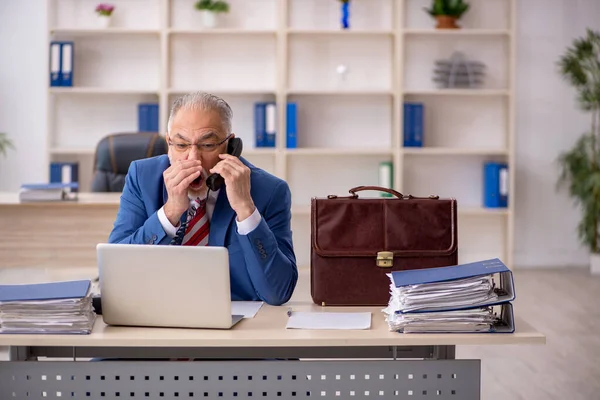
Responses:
[209,10]
[447,12]
[104,12]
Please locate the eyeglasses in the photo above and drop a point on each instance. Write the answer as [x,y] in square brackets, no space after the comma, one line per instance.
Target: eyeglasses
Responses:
[203,147]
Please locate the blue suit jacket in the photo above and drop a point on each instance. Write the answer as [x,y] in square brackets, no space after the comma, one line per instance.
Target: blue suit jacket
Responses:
[262,263]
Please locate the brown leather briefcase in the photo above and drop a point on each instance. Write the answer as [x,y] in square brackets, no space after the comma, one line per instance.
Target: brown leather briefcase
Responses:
[356,241]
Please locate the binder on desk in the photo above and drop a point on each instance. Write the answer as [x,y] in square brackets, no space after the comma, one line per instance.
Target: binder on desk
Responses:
[467,298]
[493,319]
[48,308]
[477,284]
[45,291]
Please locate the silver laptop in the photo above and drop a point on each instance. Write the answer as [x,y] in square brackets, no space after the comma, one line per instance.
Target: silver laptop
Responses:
[165,286]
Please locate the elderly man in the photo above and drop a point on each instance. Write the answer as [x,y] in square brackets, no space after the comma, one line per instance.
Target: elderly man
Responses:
[166,201]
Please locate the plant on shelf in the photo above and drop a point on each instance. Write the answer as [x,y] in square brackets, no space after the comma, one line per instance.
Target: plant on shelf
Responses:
[104,12]
[209,10]
[580,166]
[5,143]
[447,12]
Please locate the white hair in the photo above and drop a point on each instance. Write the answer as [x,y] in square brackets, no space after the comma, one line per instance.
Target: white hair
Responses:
[205,102]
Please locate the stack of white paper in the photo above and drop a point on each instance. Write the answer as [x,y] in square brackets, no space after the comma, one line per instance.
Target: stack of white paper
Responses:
[443,295]
[472,320]
[57,308]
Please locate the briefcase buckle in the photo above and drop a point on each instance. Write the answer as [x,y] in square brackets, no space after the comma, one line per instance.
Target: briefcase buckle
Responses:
[385,259]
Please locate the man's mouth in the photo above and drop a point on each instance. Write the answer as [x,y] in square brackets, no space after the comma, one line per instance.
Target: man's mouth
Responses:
[197,183]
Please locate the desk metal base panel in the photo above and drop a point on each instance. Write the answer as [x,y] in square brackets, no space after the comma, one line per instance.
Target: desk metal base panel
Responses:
[362,379]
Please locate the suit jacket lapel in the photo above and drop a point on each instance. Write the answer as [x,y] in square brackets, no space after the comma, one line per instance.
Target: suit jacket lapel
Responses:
[221,219]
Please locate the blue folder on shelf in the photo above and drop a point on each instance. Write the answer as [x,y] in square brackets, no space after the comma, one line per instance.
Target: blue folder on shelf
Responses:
[503,285]
[45,291]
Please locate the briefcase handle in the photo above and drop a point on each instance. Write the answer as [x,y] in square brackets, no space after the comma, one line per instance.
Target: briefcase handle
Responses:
[393,192]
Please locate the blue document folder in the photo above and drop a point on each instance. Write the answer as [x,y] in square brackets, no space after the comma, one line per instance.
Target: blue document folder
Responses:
[45,291]
[504,286]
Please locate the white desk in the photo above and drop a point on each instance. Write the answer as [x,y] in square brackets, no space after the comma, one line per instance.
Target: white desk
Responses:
[335,364]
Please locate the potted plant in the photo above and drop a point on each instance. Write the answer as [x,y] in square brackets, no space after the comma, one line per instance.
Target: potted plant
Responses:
[209,10]
[104,12]
[580,166]
[447,12]
[5,143]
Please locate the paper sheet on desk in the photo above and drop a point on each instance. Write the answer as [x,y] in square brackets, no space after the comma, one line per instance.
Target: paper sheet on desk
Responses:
[329,320]
[246,308]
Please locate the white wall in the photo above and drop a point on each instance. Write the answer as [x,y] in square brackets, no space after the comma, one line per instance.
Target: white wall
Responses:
[23,85]
[547,119]
[547,123]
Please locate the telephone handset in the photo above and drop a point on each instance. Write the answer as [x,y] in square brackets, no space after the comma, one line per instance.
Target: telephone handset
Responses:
[234,147]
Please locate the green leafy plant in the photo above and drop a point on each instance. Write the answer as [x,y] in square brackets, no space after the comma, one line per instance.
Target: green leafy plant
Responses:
[216,6]
[5,143]
[450,8]
[580,166]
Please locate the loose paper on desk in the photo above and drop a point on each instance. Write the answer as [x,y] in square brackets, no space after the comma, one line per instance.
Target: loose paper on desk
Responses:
[329,320]
[246,308]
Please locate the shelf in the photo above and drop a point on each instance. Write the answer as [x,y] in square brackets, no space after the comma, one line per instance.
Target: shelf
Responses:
[452,151]
[230,92]
[99,90]
[103,31]
[340,151]
[456,32]
[90,151]
[331,32]
[482,211]
[458,92]
[222,31]
[310,92]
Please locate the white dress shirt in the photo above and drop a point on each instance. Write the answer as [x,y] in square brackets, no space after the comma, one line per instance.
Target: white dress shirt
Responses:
[244,227]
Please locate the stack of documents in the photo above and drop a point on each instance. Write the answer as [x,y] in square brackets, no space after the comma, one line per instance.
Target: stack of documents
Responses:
[48,192]
[472,297]
[49,308]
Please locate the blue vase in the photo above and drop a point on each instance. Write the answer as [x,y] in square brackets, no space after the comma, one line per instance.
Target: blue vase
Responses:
[346,15]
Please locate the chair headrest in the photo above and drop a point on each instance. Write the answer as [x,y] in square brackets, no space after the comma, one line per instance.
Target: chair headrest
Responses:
[115,152]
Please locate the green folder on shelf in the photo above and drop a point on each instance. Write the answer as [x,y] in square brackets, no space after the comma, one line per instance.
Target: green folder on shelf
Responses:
[386,177]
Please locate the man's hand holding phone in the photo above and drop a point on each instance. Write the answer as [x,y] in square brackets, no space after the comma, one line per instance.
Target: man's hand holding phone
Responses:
[178,178]
[237,184]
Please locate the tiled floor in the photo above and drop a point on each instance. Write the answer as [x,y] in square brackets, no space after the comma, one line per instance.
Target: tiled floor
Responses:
[562,304]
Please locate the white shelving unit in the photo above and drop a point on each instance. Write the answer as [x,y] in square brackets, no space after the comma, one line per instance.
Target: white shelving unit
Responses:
[288,50]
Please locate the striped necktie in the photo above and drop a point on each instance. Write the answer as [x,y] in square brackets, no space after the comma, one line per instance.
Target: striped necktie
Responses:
[196,226]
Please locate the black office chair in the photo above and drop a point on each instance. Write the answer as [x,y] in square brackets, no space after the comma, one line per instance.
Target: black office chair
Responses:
[115,152]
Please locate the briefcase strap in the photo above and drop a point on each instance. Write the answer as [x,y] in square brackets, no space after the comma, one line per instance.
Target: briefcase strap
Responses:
[393,192]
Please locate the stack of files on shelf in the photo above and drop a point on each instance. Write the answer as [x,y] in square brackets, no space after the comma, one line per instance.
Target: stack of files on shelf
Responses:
[465,298]
[55,191]
[265,124]
[47,308]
